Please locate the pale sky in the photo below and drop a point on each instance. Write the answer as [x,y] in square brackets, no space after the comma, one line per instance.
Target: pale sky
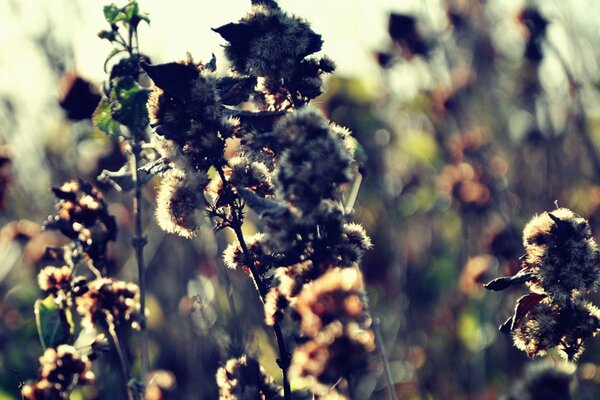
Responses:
[351,30]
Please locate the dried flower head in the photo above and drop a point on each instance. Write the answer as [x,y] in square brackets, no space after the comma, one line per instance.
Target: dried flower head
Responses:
[544,380]
[186,107]
[233,256]
[109,301]
[560,254]
[179,198]
[334,352]
[83,217]
[252,175]
[547,325]
[559,266]
[315,162]
[55,280]
[244,379]
[335,296]
[61,369]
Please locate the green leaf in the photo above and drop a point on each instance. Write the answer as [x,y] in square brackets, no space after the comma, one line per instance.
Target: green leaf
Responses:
[111,14]
[55,325]
[103,120]
[130,103]
[132,10]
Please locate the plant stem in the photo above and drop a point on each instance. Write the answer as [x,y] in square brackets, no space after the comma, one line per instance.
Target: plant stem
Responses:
[384,359]
[122,358]
[139,241]
[284,358]
[348,207]
[236,225]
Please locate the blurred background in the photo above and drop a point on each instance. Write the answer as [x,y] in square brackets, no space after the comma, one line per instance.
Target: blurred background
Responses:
[471,117]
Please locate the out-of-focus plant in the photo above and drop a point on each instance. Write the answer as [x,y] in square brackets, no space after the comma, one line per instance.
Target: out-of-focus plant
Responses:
[75,284]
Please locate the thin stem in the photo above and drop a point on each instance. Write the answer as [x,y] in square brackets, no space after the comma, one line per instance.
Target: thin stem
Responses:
[139,241]
[348,207]
[236,226]
[284,358]
[384,358]
[122,358]
[237,332]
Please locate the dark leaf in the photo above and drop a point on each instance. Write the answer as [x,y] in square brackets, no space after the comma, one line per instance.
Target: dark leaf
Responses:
[524,305]
[108,35]
[173,78]
[64,194]
[506,281]
[212,64]
[506,326]
[235,33]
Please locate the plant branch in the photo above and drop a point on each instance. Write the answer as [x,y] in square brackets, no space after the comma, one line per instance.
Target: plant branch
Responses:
[138,242]
[236,225]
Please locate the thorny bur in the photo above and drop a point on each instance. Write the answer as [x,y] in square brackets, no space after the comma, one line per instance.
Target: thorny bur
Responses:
[560,267]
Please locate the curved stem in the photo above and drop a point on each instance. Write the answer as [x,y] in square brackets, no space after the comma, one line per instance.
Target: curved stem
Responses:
[284,357]
[236,225]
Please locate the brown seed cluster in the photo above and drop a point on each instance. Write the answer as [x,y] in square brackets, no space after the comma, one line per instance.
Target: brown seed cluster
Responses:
[109,301]
[83,217]
[61,369]
[55,280]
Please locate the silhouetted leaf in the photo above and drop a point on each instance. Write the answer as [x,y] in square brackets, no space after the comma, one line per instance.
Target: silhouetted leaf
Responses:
[506,281]
[235,33]
[173,78]
[524,305]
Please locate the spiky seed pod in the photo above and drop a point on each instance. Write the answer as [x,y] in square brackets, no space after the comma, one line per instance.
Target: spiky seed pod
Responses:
[267,42]
[252,175]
